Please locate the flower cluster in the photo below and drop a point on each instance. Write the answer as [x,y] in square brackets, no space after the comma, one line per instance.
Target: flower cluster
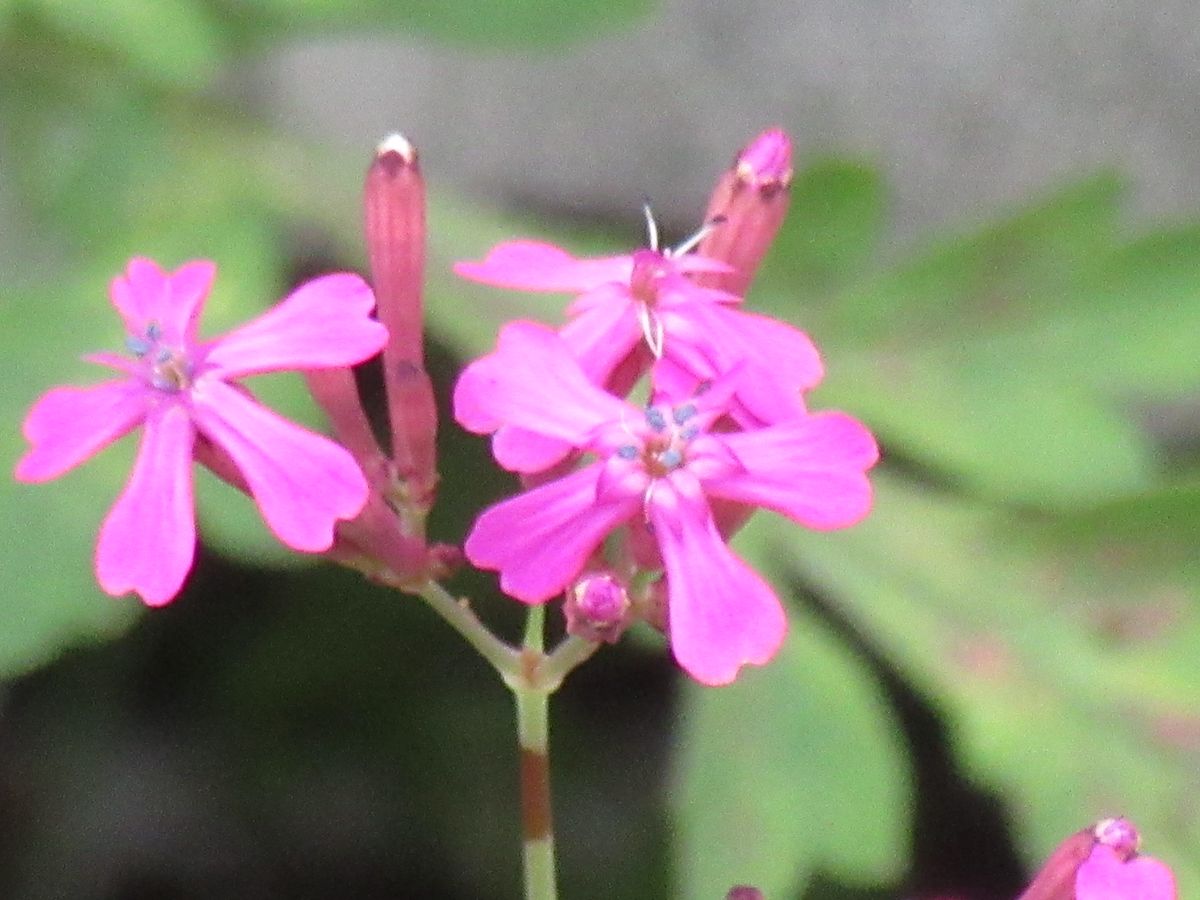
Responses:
[628,492]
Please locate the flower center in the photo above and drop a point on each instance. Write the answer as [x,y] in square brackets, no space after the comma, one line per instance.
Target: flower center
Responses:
[167,367]
[664,449]
[649,268]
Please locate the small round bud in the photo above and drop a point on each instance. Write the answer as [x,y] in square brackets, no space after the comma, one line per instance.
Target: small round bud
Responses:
[597,608]
[1120,834]
[744,892]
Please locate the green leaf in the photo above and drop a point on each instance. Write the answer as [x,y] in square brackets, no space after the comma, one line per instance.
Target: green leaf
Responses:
[48,532]
[171,41]
[514,23]
[834,221]
[1022,436]
[794,768]
[1012,362]
[1005,276]
[1071,718]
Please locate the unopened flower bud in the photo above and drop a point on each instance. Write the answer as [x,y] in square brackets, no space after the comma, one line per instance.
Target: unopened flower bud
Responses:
[394,219]
[744,892]
[750,202]
[1120,834]
[597,608]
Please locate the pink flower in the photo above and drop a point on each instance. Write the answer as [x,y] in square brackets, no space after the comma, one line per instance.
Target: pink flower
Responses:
[648,297]
[181,390]
[1108,875]
[655,470]
[1102,863]
[1115,871]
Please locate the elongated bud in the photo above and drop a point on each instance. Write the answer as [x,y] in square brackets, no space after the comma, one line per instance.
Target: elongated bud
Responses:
[744,892]
[749,203]
[597,608]
[336,393]
[1055,880]
[394,220]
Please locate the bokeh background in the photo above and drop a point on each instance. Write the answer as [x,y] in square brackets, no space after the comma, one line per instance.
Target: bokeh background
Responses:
[995,238]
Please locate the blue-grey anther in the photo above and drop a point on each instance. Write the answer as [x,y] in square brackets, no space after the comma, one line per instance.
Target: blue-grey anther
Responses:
[655,418]
[671,459]
[682,413]
[627,452]
[139,347]
[690,432]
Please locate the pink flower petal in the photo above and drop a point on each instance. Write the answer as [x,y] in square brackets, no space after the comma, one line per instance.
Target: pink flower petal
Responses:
[540,540]
[810,469]
[609,294]
[722,614]
[141,295]
[303,482]
[145,294]
[528,452]
[190,285]
[124,364]
[68,425]
[601,338]
[694,263]
[1104,876]
[537,266]
[533,382]
[324,323]
[724,336]
[148,540]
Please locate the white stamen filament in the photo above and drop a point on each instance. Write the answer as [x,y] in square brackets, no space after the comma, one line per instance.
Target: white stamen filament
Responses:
[652,330]
[651,225]
[646,498]
[701,233]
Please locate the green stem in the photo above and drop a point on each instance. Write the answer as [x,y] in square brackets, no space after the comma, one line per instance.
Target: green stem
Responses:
[532,675]
[533,727]
[573,651]
[462,619]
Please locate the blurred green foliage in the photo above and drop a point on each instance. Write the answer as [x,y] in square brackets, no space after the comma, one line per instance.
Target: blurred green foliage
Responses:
[1030,568]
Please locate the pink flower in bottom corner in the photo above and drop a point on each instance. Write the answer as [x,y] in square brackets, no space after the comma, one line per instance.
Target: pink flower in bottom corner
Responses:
[181,390]
[1107,875]
[654,470]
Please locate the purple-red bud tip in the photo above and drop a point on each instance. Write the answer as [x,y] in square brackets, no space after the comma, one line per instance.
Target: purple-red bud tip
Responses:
[766,160]
[744,892]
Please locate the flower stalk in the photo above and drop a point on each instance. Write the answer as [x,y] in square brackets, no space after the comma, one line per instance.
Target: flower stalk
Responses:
[533,738]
